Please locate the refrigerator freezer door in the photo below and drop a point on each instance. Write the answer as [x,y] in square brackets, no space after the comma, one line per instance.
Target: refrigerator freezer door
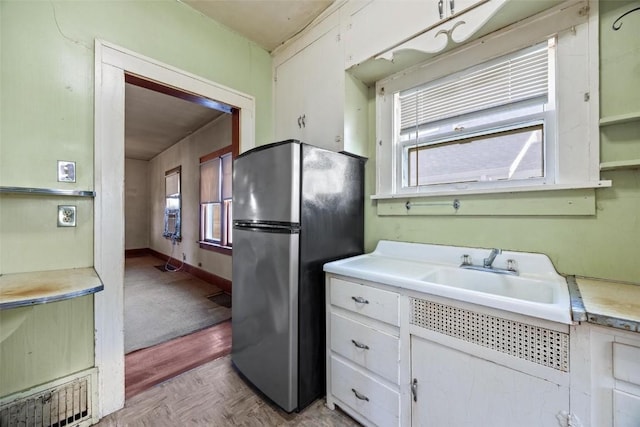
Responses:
[266,184]
[265,312]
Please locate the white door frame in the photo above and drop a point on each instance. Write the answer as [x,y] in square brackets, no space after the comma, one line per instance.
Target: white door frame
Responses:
[111,63]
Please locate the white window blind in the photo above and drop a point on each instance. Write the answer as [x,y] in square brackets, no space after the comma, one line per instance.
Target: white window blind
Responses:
[210,181]
[510,79]
[172,184]
[227,163]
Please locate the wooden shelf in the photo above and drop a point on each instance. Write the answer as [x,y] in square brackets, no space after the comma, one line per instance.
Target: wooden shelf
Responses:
[622,118]
[46,192]
[620,164]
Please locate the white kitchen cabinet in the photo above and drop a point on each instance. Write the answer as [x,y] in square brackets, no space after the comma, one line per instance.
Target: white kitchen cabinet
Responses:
[379,25]
[614,361]
[401,357]
[363,351]
[454,388]
[310,94]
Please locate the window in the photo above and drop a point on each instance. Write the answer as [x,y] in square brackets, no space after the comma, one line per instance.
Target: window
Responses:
[501,114]
[482,124]
[215,199]
[172,226]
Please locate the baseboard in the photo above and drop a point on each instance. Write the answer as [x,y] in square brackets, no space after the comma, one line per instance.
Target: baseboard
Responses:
[221,282]
[134,253]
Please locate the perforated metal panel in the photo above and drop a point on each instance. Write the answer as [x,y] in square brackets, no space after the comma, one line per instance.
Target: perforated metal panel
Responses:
[543,346]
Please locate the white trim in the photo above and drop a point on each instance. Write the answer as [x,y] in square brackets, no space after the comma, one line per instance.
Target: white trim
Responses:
[493,190]
[111,62]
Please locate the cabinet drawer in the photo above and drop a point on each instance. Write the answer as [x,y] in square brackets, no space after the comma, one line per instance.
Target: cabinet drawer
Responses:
[626,363]
[374,400]
[368,347]
[365,300]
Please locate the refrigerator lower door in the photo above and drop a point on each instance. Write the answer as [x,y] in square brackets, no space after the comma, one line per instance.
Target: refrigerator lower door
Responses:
[265,312]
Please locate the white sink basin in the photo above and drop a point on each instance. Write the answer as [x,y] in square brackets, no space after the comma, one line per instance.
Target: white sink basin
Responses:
[497,284]
[537,291]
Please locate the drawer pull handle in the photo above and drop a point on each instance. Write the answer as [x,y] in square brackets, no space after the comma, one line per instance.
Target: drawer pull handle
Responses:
[360,396]
[360,300]
[360,345]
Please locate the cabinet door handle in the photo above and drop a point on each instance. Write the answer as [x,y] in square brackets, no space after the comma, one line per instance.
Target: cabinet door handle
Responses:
[360,300]
[441,8]
[451,6]
[360,345]
[360,396]
[414,389]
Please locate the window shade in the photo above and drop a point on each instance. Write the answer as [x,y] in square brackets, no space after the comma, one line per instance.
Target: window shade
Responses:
[227,163]
[172,184]
[509,79]
[210,181]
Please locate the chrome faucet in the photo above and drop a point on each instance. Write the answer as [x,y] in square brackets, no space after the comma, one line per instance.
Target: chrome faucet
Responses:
[487,264]
[492,256]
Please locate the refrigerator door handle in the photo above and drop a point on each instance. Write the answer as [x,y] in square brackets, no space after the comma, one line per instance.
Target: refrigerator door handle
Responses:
[267,227]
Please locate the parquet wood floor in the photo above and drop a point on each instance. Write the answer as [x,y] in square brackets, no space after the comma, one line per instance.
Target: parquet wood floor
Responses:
[213,394]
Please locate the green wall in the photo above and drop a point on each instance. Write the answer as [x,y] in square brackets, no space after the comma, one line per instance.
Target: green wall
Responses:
[47,114]
[603,245]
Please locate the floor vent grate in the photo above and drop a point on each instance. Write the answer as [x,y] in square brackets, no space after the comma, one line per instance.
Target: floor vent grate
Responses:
[66,403]
[543,346]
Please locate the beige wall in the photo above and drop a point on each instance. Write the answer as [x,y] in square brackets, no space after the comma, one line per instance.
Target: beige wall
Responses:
[136,204]
[187,153]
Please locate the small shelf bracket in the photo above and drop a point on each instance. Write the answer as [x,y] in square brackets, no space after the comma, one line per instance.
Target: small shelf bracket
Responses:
[617,24]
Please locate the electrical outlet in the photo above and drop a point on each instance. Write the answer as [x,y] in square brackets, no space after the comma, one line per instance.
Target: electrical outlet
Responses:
[184,257]
[66,171]
[66,216]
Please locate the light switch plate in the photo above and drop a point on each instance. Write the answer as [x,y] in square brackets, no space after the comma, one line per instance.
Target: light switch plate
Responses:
[66,216]
[66,171]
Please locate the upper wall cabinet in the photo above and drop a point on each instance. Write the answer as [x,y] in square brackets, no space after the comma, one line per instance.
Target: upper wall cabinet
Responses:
[313,92]
[305,89]
[381,24]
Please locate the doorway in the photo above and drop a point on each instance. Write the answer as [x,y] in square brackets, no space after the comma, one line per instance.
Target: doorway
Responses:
[112,65]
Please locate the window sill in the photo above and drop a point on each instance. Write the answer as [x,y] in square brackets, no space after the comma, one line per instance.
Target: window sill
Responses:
[226,250]
[565,201]
[520,189]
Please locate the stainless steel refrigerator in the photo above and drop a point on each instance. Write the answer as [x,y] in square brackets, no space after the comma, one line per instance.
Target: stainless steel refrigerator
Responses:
[295,207]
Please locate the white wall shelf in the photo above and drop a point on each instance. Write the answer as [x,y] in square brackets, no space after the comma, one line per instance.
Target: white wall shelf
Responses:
[619,119]
[41,287]
[620,164]
[47,192]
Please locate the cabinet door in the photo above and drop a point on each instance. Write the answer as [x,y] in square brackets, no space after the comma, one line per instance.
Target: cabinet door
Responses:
[457,389]
[323,107]
[310,94]
[289,98]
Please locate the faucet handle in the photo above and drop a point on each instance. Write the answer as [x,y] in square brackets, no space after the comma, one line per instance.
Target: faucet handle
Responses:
[466,259]
[511,265]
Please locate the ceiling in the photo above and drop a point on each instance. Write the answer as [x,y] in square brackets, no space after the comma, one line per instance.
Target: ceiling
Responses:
[155,121]
[269,23]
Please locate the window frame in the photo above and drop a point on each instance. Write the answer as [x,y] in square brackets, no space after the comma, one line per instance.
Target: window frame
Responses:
[573,158]
[224,245]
